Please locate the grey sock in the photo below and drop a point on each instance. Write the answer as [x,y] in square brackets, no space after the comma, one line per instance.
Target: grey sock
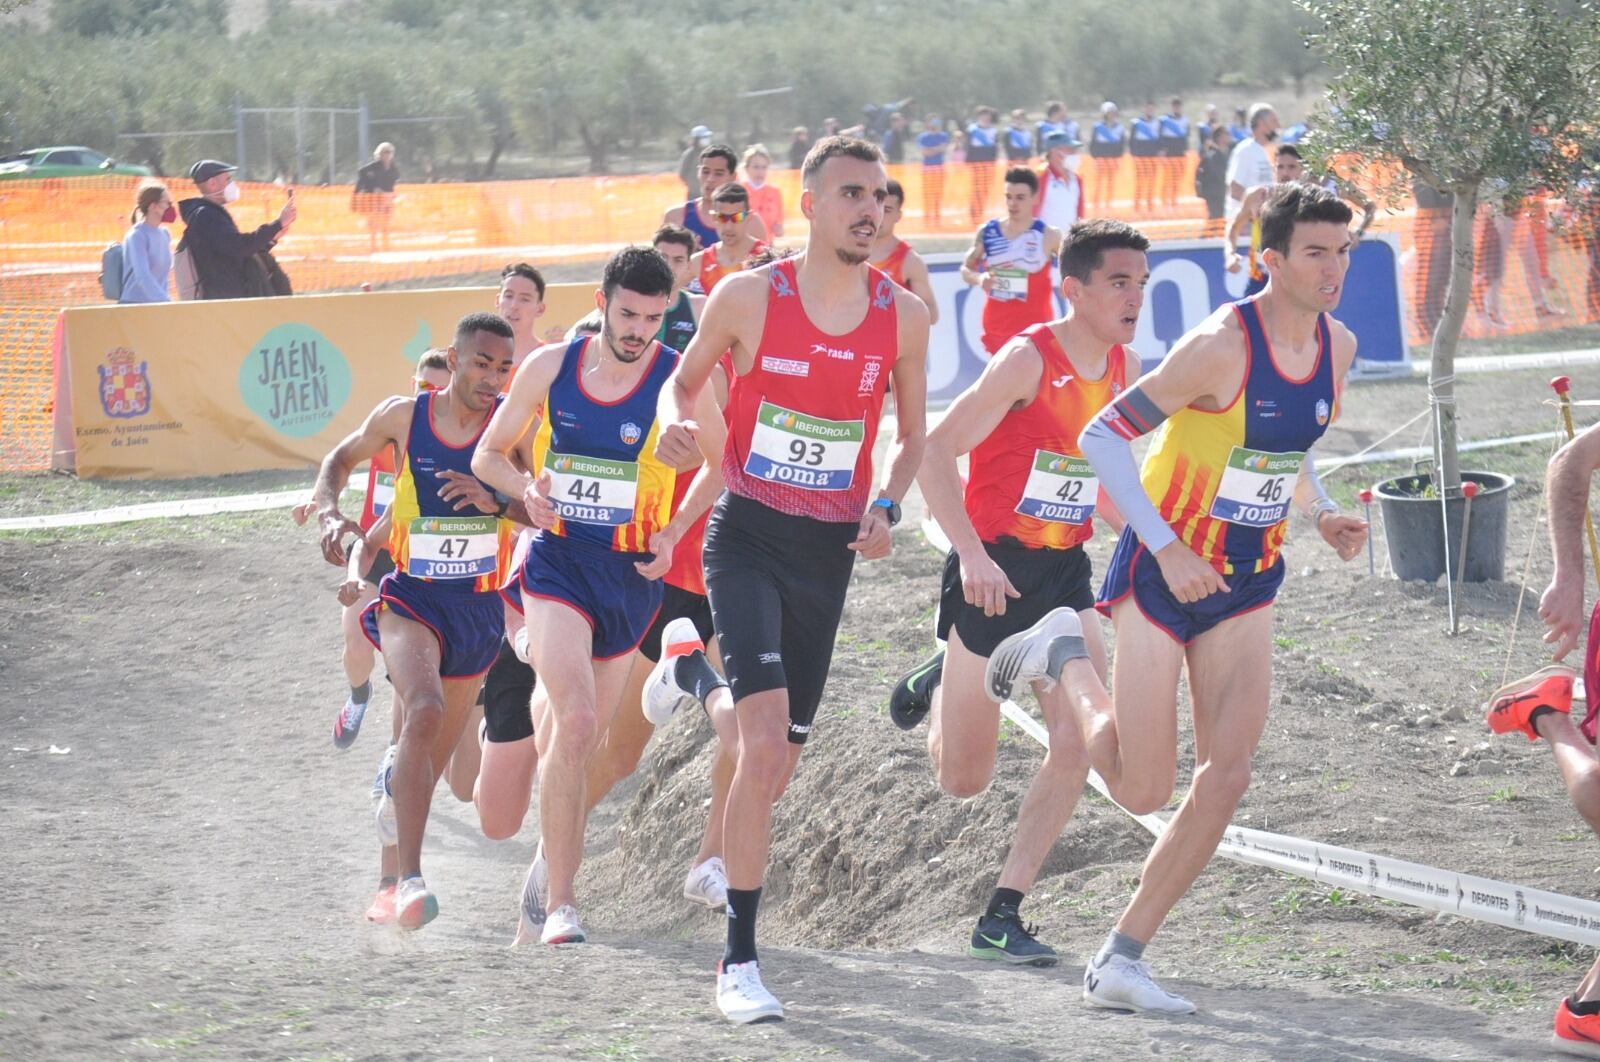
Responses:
[363,693]
[1119,944]
[1061,649]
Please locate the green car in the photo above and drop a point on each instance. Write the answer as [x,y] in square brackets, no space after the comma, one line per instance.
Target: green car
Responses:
[64,162]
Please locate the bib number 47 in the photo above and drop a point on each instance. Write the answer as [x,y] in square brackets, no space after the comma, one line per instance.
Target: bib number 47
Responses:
[453,547]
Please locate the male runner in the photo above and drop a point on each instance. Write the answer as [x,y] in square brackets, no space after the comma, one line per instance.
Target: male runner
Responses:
[1540,704]
[730,209]
[1289,168]
[718,164]
[1010,260]
[1017,532]
[1244,397]
[813,341]
[520,301]
[678,246]
[583,414]
[437,620]
[899,259]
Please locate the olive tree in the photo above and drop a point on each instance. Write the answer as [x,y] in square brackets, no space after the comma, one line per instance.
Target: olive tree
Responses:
[1461,96]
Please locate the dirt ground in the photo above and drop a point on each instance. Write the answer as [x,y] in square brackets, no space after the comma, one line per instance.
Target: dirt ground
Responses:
[185,875]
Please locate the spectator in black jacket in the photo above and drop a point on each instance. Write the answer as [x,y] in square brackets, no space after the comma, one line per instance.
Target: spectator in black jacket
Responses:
[1211,177]
[374,194]
[224,258]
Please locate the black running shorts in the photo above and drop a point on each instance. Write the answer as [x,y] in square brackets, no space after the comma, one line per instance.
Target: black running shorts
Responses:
[777,585]
[507,689]
[382,564]
[677,603]
[1047,579]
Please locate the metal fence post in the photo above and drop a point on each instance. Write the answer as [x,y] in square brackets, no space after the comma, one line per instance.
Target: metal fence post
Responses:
[363,133]
[238,137]
[299,144]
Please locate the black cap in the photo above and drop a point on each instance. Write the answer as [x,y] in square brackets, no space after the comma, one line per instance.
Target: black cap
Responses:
[206,169]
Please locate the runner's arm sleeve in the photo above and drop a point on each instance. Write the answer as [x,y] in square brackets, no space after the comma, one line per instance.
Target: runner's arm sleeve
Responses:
[1317,501]
[1105,444]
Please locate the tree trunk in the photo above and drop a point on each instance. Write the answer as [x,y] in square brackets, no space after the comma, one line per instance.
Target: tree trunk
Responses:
[1446,336]
[497,145]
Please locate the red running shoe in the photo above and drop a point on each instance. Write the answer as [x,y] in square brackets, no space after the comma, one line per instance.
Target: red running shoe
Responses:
[1512,704]
[382,910]
[1576,1034]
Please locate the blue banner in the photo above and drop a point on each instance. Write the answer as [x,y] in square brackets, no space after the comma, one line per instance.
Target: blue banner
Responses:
[1187,282]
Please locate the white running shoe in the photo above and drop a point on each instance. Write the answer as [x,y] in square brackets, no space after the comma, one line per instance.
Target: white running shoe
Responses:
[1028,657]
[662,694]
[535,888]
[742,997]
[414,904]
[707,885]
[383,801]
[1122,983]
[562,926]
[519,645]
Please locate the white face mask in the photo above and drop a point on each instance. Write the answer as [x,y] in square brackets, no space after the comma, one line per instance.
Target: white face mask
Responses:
[230,194]
[1071,163]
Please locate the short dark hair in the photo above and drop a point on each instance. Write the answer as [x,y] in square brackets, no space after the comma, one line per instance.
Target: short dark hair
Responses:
[523,269]
[721,151]
[1084,247]
[830,147]
[639,269]
[732,192]
[768,254]
[1023,175]
[1290,204]
[896,189]
[433,358]
[1290,150]
[481,321]
[986,109]
[1220,130]
[1053,106]
[670,233]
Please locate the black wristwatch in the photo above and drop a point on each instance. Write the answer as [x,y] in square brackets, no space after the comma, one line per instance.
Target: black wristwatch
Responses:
[504,503]
[891,509]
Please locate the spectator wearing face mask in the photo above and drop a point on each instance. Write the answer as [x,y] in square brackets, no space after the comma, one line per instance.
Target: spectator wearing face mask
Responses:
[147,249]
[1061,201]
[224,258]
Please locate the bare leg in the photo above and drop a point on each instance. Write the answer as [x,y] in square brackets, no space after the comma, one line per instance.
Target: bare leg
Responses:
[762,771]
[359,656]
[624,741]
[462,771]
[505,780]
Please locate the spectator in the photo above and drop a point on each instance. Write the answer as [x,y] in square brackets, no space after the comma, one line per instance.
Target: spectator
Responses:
[1203,130]
[830,127]
[958,146]
[894,139]
[1250,166]
[765,199]
[147,249]
[879,116]
[1019,138]
[1211,177]
[1145,147]
[689,161]
[1060,204]
[1107,143]
[1174,140]
[933,142]
[983,151]
[1054,121]
[1240,129]
[799,146]
[226,261]
[374,194]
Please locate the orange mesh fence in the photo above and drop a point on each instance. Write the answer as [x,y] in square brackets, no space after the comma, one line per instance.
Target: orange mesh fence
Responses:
[1531,275]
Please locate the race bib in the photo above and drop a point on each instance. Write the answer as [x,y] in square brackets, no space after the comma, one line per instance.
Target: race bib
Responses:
[382,492]
[1060,489]
[1008,283]
[593,490]
[1256,487]
[453,547]
[807,452]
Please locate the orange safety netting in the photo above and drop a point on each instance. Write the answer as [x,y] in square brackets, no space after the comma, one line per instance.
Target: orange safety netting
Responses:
[52,233]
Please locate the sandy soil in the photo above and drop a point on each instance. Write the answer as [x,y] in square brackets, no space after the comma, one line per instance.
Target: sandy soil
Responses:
[187,880]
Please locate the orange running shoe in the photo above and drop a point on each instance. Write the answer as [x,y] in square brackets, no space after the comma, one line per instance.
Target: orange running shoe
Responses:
[1576,1034]
[382,910]
[1512,704]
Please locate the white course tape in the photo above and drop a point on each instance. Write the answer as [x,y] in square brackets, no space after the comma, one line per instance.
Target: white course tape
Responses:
[1411,453]
[1501,903]
[231,503]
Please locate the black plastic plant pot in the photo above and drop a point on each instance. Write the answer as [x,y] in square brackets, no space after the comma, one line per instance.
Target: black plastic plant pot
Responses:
[1415,532]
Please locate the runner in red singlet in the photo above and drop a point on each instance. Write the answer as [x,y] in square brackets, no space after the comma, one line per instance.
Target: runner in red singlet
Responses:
[814,340]
[1010,260]
[736,240]
[897,258]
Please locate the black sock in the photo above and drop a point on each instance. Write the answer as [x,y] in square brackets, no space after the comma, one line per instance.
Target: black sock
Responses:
[362,693]
[742,904]
[1003,898]
[693,672]
[388,881]
[1533,716]
[1591,1006]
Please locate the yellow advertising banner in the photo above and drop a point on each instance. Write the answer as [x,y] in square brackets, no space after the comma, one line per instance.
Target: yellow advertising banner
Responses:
[207,388]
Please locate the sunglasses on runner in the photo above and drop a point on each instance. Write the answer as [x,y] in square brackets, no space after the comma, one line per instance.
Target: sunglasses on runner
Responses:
[731,219]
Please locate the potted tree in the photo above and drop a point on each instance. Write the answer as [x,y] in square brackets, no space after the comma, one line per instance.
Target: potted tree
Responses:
[1463,97]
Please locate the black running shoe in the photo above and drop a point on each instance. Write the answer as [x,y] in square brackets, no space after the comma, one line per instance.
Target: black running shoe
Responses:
[913,694]
[1002,937]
